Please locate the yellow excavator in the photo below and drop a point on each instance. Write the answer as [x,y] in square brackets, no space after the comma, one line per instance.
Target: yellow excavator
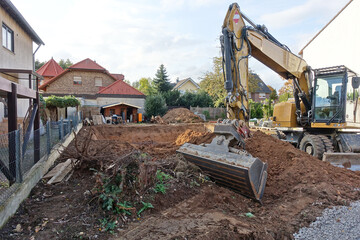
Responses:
[324,117]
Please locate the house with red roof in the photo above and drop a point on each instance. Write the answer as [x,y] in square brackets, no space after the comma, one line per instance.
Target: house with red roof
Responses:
[95,87]
[49,70]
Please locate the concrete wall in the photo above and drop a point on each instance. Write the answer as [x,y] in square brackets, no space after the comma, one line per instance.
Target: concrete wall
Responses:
[65,84]
[22,190]
[338,43]
[21,58]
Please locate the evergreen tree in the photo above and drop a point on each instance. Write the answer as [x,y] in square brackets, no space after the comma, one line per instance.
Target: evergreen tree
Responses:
[161,80]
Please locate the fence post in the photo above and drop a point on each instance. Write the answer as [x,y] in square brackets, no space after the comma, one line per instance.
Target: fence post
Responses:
[69,124]
[18,156]
[48,137]
[61,127]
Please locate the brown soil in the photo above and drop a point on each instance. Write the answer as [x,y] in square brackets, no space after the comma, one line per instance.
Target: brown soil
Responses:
[299,187]
[181,115]
[191,136]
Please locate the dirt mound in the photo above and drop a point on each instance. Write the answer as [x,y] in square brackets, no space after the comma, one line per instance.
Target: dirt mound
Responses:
[181,115]
[292,170]
[190,136]
[299,187]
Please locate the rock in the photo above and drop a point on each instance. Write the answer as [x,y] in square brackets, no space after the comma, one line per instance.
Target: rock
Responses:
[18,228]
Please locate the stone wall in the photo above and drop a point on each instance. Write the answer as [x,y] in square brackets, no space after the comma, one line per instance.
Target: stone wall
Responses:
[65,84]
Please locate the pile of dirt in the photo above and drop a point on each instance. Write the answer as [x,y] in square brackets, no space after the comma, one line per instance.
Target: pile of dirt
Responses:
[298,188]
[181,115]
[190,136]
[292,171]
[156,140]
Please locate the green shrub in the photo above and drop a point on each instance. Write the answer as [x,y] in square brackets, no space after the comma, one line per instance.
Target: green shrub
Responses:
[155,105]
[207,114]
[61,102]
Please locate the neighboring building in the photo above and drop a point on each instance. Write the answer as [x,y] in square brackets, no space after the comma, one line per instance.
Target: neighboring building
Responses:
[257,88]
[124,110]
[17,80]
[186,85]
[81,79]
[49,70]
[94,86]
[16,59]
[337,43]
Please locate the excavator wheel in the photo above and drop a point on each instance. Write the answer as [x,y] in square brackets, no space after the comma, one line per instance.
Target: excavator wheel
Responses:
[313,145]
[329,147]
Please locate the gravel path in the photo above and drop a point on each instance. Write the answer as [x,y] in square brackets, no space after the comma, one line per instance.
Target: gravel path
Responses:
[335,223]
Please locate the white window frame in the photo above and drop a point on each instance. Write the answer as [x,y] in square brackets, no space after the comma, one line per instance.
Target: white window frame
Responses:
[98,82]
[7,37]
[77,80]
[262,95]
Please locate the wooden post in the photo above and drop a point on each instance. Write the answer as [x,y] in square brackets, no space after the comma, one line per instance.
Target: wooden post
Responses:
[12,126]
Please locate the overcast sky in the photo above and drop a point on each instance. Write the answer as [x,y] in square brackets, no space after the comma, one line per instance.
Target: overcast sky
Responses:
[135,37]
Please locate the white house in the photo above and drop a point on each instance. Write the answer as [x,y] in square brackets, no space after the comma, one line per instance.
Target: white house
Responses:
[338,42]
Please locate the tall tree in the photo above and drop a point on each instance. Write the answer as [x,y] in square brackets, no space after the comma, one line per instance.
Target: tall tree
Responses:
[286,91]
[161,81]
[65,63]
[38,64]
[146,87]
[272,98]
[213,83]
[136,84]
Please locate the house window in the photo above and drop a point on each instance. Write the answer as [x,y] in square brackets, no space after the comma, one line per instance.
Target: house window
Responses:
[262,95]
[7,37]
[98,82]
[77,81]
[112,112]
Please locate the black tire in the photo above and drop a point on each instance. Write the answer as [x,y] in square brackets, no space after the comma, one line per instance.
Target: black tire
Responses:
[329,147]
[313,145]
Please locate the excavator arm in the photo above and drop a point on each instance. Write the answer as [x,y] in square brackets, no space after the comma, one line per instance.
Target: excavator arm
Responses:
[240,41]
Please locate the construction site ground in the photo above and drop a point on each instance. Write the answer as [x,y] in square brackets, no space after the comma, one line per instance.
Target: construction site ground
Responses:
[298,188]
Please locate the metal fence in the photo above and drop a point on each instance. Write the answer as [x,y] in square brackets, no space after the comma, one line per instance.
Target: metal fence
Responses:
[19,151]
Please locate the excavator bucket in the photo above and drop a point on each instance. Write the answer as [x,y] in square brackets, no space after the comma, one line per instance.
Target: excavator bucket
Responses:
[228,166]
[350,157]
[346,160]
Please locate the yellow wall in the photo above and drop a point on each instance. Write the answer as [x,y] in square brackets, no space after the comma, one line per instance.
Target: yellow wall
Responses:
[21,58]
[188,86]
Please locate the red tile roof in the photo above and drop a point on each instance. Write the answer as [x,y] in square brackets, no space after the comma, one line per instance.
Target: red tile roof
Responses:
[87,64]
[50,69]
[117,76]
[120,87]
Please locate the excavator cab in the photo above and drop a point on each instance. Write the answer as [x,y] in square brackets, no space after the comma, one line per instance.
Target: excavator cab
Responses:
[333,95]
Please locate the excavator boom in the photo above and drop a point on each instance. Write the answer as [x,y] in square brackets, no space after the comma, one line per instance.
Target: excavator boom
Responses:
[225,159]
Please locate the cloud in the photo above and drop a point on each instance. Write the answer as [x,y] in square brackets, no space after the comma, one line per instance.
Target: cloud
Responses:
[311,9]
